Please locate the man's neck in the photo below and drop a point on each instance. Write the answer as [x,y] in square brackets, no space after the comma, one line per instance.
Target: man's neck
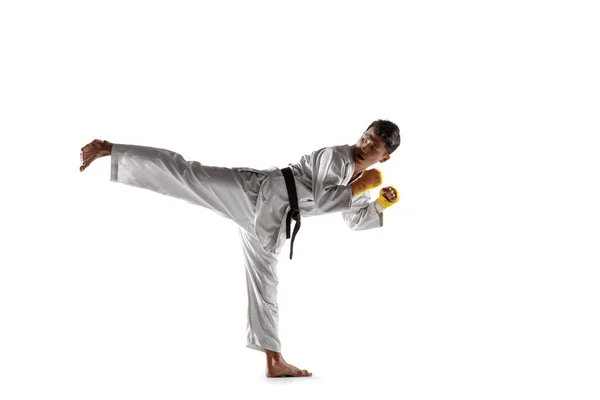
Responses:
[356,173]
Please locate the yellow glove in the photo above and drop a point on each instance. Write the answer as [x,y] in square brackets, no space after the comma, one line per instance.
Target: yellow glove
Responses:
[390,193]
[370,179]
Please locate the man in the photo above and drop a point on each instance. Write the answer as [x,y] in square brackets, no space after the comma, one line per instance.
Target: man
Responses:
[332,179]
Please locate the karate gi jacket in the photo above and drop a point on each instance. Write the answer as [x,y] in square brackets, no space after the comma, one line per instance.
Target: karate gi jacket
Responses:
[323,185]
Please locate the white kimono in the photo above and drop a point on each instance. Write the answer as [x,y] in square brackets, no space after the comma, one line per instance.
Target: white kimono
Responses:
[257,201]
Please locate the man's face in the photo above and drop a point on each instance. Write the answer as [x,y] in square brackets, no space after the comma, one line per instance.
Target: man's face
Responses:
[369,150]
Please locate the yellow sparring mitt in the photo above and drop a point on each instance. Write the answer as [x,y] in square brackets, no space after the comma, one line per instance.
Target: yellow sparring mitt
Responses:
[370,179]
[385,203]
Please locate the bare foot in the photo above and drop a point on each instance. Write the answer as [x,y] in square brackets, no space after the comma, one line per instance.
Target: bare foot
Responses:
[93,150]
[277,367]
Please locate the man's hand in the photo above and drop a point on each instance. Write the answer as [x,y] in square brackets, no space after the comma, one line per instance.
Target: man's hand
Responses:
[387,197]
[370,179]
[389,193]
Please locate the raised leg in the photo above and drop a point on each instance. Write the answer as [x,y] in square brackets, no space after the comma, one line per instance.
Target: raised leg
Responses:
[229,192]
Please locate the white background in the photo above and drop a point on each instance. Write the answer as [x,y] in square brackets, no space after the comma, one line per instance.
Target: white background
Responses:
[482,284]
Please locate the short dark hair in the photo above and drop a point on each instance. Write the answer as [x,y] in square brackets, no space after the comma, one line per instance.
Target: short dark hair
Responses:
[388,132]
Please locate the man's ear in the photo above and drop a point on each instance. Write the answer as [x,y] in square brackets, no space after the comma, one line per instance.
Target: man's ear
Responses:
[384,159]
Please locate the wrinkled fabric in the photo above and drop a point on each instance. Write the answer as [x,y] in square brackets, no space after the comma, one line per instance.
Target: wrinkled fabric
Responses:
[323,184]
[231,194]
[261,279]
[257,201]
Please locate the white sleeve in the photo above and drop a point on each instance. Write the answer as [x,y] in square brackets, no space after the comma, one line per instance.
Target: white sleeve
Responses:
[328,168]
[362,214]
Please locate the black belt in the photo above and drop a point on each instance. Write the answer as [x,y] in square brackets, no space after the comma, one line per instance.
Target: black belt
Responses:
[294,210]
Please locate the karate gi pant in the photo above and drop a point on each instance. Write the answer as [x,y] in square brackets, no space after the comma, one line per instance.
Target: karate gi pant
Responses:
[229,192]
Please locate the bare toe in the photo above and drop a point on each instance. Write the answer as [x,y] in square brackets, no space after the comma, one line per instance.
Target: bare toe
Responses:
[91,152]
[278,367]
